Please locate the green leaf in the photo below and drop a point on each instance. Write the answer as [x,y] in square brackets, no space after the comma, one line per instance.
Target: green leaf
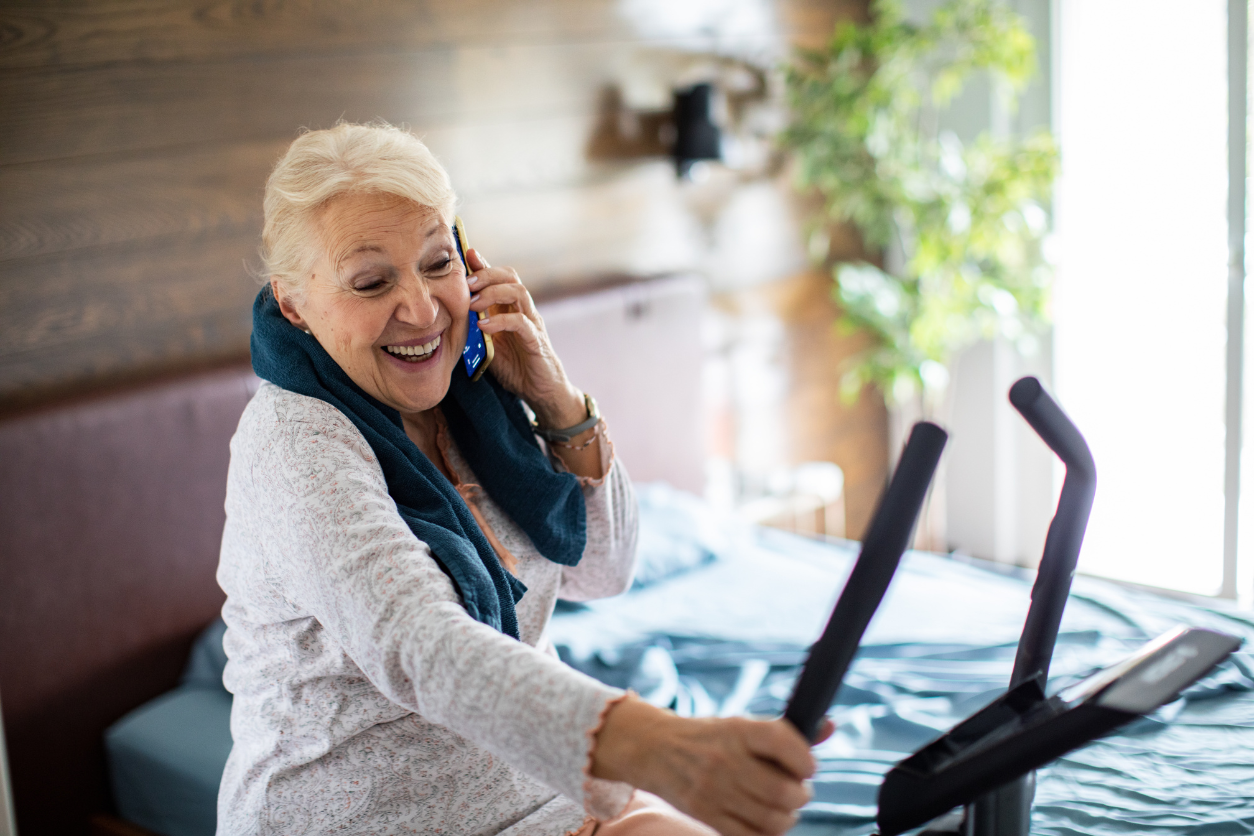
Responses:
[970,219]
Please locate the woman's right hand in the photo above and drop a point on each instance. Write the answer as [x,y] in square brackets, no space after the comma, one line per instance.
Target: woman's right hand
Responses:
[742,777]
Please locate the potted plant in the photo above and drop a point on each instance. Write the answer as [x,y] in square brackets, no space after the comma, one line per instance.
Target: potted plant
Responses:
[960,225]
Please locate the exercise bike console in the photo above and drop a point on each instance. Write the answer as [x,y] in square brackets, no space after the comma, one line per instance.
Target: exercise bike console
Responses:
[1023,730]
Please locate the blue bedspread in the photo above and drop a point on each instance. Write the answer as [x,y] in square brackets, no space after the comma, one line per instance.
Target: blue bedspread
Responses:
[727,636]
[719,625]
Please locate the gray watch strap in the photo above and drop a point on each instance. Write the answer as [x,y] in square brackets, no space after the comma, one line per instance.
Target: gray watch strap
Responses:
[565,435]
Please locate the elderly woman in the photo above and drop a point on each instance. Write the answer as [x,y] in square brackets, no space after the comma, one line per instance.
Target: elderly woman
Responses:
[397,535]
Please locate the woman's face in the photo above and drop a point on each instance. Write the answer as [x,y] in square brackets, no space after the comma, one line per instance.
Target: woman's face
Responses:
[388,298]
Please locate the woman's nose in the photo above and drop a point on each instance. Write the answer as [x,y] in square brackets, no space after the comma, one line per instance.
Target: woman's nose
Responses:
[416,305]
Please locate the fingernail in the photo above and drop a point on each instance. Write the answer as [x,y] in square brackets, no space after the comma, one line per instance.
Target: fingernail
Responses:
[483,319]
[472,280]
[474,298]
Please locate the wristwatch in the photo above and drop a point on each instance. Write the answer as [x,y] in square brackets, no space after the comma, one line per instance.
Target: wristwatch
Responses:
[567,434]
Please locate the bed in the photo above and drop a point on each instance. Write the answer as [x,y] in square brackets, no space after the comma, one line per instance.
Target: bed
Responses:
[727,635]
[717,623]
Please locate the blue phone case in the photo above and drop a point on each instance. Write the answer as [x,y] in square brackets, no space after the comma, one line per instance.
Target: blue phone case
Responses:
[476,351]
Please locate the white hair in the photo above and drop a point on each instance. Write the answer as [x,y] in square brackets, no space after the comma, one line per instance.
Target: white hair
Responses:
[320,166]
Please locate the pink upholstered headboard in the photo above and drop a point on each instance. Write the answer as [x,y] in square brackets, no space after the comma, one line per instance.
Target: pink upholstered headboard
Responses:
[636,348]
[111,514]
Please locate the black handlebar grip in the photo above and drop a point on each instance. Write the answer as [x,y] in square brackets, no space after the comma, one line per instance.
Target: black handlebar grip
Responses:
[1052,425]
[1066,531]
[885,542]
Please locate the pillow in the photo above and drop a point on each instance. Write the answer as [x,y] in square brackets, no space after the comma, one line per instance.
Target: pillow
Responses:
[166,760]
[208,659]
[678,532]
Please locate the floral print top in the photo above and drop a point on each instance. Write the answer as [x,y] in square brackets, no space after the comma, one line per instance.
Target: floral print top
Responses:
[366,699]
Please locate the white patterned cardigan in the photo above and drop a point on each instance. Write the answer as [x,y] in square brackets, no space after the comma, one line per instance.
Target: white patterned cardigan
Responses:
[366,699]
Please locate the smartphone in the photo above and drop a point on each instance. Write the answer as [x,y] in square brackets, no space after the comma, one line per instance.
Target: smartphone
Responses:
[477,354]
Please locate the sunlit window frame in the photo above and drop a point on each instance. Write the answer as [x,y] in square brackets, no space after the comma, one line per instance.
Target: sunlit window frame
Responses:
[1238,48]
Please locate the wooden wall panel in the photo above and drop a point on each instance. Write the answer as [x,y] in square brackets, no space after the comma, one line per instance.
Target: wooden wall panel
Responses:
[70,111]
[103,31]
[44,297]
[137,135]
[193,305]
[68,204]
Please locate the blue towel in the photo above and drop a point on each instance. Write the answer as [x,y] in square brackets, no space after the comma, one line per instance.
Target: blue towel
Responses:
[494,435]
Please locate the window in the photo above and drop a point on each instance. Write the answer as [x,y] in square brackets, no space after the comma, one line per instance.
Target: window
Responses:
[1143,359]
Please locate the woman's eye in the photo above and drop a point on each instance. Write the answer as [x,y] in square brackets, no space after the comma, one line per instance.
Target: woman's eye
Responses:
[369,285]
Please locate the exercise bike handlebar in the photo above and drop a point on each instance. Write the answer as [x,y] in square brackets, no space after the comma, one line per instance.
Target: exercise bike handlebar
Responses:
[1066,531]
[1052,425]
[882,547]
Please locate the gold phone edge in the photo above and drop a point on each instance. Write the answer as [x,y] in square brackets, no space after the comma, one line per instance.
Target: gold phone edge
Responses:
[488,352]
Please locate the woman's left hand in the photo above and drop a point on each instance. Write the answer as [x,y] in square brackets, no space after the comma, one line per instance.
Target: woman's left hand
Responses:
[524,361]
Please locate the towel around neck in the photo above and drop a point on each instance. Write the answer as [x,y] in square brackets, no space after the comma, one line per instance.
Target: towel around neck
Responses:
[493,434]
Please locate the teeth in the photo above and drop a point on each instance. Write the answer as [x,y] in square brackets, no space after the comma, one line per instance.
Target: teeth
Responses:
[417,352]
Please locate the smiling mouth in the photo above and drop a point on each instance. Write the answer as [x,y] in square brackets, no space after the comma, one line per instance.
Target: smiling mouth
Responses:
[413,353]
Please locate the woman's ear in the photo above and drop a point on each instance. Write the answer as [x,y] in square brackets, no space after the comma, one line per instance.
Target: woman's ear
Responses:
[286,308]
